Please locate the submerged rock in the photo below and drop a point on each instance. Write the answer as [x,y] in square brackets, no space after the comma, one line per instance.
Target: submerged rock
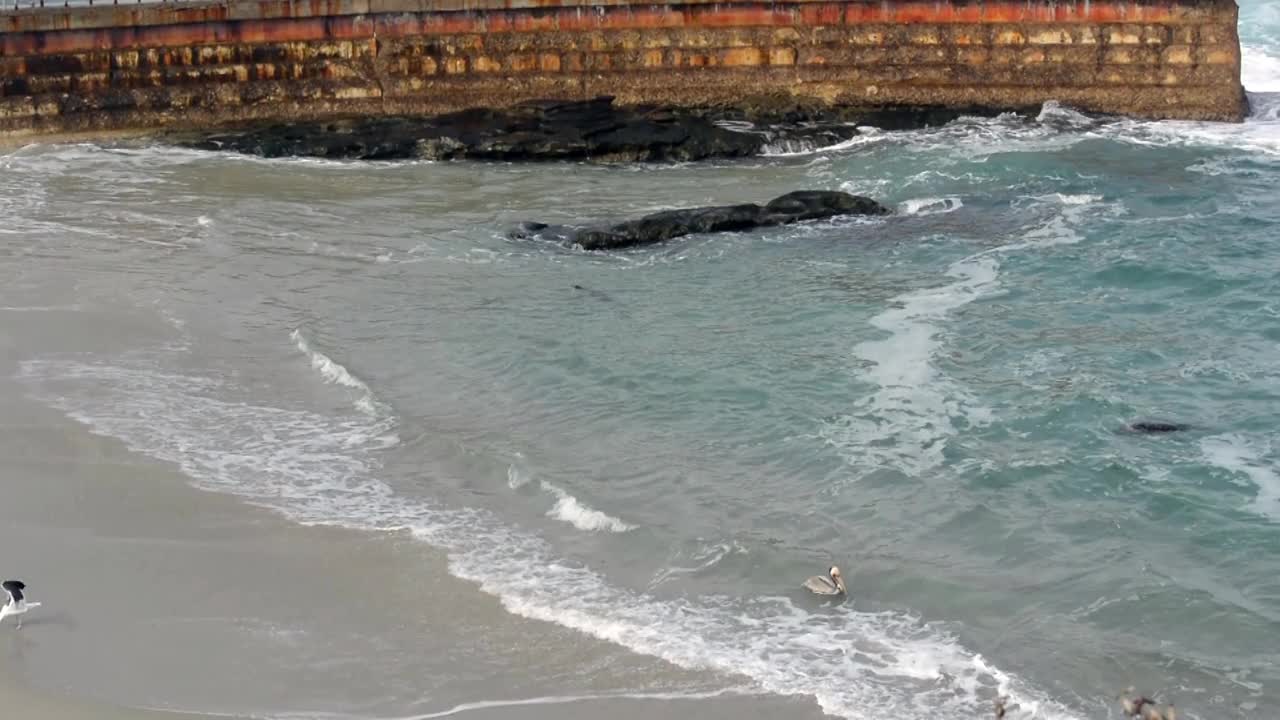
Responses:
[790,208]
[544,130]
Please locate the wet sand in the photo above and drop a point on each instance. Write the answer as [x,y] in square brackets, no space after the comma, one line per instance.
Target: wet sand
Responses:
[157,595]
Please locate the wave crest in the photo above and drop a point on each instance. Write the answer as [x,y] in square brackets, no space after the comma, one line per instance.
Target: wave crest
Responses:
[571,510]
[930,206]
[335,373]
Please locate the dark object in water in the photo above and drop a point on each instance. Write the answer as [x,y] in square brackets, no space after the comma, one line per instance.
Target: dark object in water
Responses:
[1156,426]
[790,208]
[597,294]
[1144,708]
[594,130]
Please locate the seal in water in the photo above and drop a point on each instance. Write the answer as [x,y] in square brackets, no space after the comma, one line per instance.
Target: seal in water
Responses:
[1156,426]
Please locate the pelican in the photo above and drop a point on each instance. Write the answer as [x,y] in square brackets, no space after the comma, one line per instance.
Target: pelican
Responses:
[833,584]
[17,604]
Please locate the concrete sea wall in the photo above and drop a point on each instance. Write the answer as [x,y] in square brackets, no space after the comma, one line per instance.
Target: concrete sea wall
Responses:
[112,68]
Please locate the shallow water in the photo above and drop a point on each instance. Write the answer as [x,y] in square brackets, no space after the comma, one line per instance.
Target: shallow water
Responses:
[934,400]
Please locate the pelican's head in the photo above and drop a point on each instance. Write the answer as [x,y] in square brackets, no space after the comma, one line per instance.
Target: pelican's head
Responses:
[834,572]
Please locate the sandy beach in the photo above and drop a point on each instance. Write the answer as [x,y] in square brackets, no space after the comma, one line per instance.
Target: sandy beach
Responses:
[160,600]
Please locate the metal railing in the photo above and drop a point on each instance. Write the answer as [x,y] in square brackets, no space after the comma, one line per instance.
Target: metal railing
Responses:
[19,5]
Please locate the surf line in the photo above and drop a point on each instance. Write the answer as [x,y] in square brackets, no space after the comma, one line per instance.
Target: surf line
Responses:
[567,699]
[741,691]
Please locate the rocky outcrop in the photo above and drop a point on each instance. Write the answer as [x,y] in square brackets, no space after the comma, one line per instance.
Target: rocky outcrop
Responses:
[790,208]
[594,130]
[544,130]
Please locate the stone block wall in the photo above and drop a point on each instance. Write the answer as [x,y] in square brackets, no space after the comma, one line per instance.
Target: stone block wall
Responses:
[136,67]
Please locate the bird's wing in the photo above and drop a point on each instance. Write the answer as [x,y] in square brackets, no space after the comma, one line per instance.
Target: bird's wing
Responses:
[820,585]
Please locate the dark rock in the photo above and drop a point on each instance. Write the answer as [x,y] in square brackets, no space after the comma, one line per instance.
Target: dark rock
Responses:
[671,224]
[1156,426]
[545,130]
[594,130]
[815,204]
[790,208]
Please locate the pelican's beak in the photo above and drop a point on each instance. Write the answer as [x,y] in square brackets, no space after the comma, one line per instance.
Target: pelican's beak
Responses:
[840,586]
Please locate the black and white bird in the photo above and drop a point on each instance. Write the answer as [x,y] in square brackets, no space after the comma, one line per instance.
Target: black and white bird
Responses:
[17,604]
[832,584]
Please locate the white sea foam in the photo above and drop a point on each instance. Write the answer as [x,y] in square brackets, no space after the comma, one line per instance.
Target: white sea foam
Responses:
[1057,126]
[1210,366]
[337,374]
[1057,114]
[703,557]
[318,469]
[797,148]
[1264,111]
[1259,69]
[524,702]
[930,206]
[273,456]
[1259,133]
[342,252]
[567,699]
[1083,199]
[905,422]
[567,508]
[517,477]
[571,510]
[1060,229]
[1241,455]
[40,308]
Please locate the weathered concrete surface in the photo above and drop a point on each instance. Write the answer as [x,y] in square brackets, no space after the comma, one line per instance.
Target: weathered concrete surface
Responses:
[127,67]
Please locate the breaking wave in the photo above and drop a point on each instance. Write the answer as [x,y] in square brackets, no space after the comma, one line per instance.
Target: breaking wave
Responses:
[318,469]
[335,373]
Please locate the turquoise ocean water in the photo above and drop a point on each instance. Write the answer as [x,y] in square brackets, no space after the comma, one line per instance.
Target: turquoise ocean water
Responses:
[935,401]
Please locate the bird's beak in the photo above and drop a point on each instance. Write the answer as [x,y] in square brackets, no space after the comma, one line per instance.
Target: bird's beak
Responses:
[840,585]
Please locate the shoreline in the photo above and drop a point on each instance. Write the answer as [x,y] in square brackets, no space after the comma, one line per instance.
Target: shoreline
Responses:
[163,601]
